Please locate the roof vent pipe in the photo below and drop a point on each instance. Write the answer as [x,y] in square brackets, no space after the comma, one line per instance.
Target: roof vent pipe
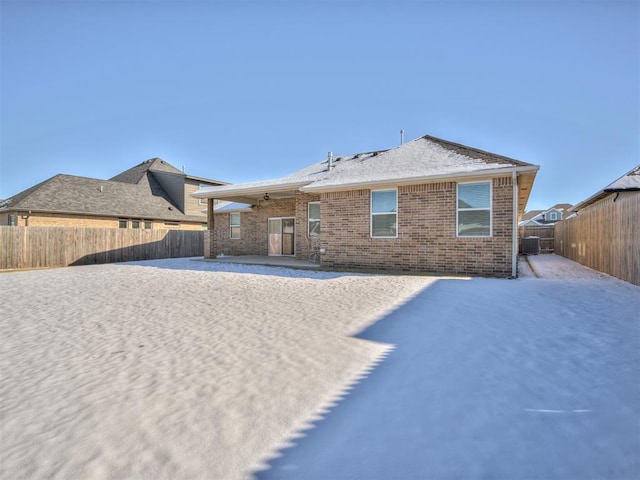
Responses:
[402,137]
[330,160]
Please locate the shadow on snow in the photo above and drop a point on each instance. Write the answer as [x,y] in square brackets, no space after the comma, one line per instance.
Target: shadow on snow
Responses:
[488,379]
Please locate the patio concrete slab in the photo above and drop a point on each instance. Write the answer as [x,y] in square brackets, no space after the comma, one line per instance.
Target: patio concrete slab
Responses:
[274,261]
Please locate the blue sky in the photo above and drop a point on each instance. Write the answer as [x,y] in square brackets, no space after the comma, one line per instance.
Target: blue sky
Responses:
[240,91]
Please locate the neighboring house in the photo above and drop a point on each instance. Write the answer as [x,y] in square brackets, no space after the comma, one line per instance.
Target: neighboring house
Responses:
[428,205]
[528,219]
[538,218]
[153,194]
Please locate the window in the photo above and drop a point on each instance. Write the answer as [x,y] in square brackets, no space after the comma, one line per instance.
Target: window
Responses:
[12,221]
[474,209]
[313,228]
[135,223]
[123,223]
[553,216]
[203,201]
[234,225]
[384,213]
[148,224]
[172,224]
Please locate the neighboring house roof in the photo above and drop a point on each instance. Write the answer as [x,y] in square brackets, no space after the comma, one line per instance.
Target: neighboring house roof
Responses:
[426,159]
[135,174]
[531,215]
[529,218]
[538,217]
[231,207]
[629,182]
[132,193]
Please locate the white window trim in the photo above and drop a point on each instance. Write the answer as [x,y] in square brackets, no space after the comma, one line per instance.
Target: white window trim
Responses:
[231,225]
[490,208]
[309,219]
[371,214]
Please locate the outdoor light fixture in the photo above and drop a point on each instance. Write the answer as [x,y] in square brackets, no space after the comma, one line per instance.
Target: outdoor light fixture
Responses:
[266,196]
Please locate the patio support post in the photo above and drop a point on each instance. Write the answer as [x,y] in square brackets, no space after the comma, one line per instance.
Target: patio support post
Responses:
[210,238]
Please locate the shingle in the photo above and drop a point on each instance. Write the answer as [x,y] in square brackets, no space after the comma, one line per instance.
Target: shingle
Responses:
[133,193]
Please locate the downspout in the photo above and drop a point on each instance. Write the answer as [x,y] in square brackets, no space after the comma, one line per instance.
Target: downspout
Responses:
[514,240]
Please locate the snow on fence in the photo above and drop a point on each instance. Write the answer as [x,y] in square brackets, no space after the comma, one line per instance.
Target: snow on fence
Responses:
[606,239]
[42,247]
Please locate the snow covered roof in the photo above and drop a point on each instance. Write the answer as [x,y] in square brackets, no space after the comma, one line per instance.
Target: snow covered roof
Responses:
[421,160]
[629,182]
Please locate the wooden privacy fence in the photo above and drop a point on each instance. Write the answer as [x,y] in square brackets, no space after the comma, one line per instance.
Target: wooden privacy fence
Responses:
[546,234]
[606,239]
[40,247]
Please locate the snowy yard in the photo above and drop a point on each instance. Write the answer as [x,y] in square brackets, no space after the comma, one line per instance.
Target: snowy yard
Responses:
[187,369]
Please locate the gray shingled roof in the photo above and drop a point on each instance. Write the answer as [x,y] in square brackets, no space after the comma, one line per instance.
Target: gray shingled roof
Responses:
[134,193]
[135,174]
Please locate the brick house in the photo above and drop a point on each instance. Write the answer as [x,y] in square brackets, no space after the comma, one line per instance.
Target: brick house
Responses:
[152,194]
[428,205]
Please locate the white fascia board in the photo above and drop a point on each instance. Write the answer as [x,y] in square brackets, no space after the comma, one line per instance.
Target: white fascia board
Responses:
[230,191]
[461,176]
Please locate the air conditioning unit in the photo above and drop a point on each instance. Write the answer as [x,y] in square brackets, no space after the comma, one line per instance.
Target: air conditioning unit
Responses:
[530,245]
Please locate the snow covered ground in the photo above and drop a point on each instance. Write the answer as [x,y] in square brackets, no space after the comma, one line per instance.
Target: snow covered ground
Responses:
[188,369]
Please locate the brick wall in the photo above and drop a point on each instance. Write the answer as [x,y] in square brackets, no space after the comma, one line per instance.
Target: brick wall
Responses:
[253,228]
[88,221]
[426,239]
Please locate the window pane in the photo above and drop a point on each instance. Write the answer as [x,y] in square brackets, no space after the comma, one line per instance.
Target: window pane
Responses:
[135,223]
[474,195]
[123,223]
[383,225]
[314,211]
[314,228]
[235,219]
[235,232]
[383,201]
[474,223]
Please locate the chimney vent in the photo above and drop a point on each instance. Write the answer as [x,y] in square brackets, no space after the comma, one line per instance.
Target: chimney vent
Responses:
[330,160]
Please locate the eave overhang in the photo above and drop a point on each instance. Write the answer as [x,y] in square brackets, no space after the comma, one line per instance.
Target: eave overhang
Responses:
[250,194]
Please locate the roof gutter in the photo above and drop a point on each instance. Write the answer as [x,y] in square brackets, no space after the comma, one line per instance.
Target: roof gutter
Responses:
[421,179]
